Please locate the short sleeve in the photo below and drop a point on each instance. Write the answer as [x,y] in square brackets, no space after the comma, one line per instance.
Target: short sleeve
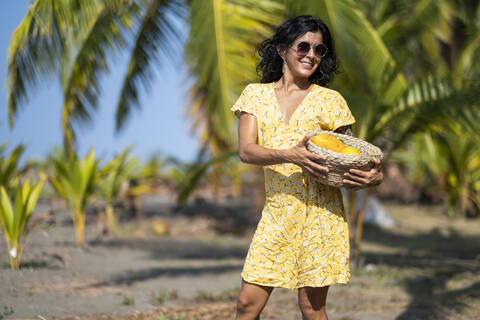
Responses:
[245,102]
[342,116]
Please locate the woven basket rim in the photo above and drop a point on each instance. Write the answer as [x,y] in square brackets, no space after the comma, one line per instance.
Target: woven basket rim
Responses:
[367,150]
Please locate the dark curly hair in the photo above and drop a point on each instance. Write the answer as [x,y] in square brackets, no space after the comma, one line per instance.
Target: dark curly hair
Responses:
[285,34]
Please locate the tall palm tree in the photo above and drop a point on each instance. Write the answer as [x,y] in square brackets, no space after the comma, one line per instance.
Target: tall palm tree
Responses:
[75,40]
[220,55]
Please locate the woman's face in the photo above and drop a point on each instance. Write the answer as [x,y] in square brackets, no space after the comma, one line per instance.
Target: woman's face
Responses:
[302,66]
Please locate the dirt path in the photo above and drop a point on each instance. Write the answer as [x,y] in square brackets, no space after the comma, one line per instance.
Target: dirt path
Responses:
[426,268]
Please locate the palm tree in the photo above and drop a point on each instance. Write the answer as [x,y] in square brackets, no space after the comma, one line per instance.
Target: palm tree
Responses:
[140,180]
[451,159]
[72,40]
[14,217]
[74,180]
[113,175]
[75,40]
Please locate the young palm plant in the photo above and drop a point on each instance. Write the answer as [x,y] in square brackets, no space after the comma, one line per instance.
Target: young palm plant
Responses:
[139,180]
[453,160]
[14,218]
[113,175]
[74,181]
[186,176]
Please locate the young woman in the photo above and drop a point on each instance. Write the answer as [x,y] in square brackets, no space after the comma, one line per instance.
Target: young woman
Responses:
[301,241]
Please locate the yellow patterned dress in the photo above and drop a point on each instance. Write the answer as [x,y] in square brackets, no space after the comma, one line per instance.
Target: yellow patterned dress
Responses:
[302,236]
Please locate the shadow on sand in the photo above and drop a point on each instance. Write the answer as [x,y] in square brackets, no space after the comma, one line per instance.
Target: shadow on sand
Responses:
[444,258]
[147,274]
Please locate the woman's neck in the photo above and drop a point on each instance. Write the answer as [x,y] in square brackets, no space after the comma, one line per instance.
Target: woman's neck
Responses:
[289,83]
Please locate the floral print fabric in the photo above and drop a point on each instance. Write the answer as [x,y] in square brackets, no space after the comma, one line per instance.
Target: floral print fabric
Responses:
[302,236]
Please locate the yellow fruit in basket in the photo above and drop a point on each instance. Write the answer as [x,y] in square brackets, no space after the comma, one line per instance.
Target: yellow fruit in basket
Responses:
[324,140]
[351,150]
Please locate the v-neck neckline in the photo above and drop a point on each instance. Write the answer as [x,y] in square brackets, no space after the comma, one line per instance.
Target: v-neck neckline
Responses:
[277,105]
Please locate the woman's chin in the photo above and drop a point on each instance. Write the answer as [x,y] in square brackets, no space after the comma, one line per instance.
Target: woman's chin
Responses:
[304,73]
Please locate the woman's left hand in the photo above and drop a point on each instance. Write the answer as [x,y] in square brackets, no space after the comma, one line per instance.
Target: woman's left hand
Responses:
[358,179]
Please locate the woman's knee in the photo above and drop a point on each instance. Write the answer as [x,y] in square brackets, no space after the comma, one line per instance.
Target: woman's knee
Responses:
[252,298]
[248,304]
[312,303]
[311,313]
[243,304]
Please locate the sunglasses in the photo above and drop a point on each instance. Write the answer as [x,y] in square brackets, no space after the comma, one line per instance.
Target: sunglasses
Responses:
[303,48]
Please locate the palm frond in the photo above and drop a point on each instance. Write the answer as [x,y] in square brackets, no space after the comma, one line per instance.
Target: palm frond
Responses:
[363,55]
[197,171]
[88,57]
[220,54]
[467,68]
[35,49]
[431,102]
[10,171]
[157,35]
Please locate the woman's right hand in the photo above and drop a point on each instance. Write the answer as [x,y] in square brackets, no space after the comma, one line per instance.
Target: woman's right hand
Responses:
[302,157]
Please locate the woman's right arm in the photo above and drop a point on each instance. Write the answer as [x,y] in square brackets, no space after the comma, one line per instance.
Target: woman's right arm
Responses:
[250,152]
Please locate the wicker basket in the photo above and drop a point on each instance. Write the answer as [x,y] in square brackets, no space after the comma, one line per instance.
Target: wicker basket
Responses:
[339,163]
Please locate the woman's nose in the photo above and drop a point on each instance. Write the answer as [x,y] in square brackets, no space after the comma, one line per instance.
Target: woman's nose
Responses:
[311,52]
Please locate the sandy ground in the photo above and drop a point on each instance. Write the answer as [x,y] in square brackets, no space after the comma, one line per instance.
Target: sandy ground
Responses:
[428,267]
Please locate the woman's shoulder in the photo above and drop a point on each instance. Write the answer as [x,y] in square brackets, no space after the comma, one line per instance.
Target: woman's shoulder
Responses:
[256,89]
[256,85]
[327,91]
[330,95]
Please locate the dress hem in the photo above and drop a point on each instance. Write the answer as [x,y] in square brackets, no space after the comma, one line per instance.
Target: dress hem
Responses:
[337,279]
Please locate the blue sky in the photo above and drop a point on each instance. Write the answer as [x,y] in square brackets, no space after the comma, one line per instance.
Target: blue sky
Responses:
[159,126]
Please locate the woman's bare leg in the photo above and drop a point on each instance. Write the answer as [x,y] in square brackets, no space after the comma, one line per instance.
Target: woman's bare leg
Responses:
[252,300]
[312,302]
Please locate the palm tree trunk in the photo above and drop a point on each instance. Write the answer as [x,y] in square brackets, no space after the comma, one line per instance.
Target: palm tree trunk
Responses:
[138,204]
[20,249]
[463,198]
[352,215]
[68,134]
[9,248]
[79,224]
[237,185]
[217,172]
[358,233]
[15,260]
[111,221]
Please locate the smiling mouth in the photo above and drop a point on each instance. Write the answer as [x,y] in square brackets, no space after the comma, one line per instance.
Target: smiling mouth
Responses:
[307,64]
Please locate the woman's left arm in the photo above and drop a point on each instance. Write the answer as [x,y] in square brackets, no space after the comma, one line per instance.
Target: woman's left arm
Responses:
[359,179]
